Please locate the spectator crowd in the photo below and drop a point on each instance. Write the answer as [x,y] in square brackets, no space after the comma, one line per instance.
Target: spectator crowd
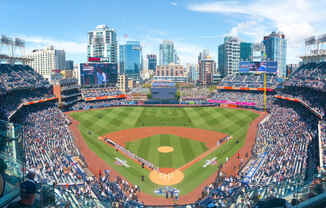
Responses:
[13,77]
[250,80]
[50,152]
[311,75]
[100,92]
[322,144]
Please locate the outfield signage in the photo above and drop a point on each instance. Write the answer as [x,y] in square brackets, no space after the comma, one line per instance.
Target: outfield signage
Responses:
[105,97]
[40,101]
[231,102]
[244,88]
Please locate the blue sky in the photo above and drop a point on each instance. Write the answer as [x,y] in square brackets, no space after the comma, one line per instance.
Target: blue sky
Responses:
[193,25]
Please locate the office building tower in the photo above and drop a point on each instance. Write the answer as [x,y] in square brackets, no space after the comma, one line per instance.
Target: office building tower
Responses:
[152,62]
[130,59]
[207,67]
[69,65]
[275,50]
[246,51]
[167,53]
[229,56]
[102,43]
[45,61]
[203,55]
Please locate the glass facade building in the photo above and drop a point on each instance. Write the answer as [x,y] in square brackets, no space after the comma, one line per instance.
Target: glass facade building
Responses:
[246,51]
[275,50]
[167,53]
[152,61]
[130,59]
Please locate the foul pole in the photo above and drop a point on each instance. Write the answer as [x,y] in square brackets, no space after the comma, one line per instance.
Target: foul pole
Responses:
[265,97]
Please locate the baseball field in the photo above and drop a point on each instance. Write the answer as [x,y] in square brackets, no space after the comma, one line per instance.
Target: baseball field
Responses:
[171,138]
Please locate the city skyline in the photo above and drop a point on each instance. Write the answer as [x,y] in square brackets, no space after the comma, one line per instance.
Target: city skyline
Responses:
[192,25]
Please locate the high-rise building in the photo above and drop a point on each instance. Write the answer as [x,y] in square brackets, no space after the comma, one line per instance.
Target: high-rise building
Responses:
[246,51]
[167,53]
[275,50]
[229,56]
[45,61]
[152,61]
[69,65]
[203,55]
[207,68]
[130,59]
[192,73]
[102,43]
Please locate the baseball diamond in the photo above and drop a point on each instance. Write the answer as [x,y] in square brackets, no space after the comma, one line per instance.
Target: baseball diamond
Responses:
[142,130]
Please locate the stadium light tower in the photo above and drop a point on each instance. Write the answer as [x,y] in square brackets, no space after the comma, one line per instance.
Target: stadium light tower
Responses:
[19,43]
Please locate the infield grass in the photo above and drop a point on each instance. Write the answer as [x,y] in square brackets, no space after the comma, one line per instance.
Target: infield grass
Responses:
[233,122]
[185,150]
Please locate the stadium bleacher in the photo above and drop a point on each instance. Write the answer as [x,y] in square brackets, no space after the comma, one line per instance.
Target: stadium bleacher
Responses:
[13,77]
[99,92]
[311,75]
[283,157]
[250,80]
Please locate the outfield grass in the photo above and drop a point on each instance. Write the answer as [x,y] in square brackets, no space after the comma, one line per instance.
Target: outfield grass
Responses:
[185,150]
[234,122]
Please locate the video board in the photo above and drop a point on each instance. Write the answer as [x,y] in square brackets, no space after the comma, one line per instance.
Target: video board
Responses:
[264,66]
[92,74]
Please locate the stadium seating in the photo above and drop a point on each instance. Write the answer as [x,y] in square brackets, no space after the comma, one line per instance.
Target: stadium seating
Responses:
[99,92]
[281,158]
[312,75]
[50,152]
[314,98]
[322,144]
[13,77]
[250,80]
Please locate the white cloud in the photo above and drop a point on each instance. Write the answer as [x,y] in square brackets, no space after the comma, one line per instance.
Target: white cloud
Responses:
[173,3]
[34,42]
[297,19]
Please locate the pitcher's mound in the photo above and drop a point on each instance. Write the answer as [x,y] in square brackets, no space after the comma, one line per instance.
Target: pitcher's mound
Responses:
[164,179]
[165,149]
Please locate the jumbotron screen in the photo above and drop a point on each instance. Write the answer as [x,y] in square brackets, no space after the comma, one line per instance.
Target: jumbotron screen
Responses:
[264,66]
[92,74]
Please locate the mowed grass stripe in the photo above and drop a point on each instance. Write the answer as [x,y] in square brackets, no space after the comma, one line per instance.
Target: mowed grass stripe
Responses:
[143,148]
[177,160]
[154,155]
[165,158]
[198,147]
[233,122]
[187,150]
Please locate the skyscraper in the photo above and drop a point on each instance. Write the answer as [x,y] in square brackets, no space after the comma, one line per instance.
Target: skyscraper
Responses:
[152,61]
[207,67]
[229,56]
[44,61]
[130,59]
[69,64]
[102,43]
[275,50]
[203,55]
[246,51]
[167,53]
